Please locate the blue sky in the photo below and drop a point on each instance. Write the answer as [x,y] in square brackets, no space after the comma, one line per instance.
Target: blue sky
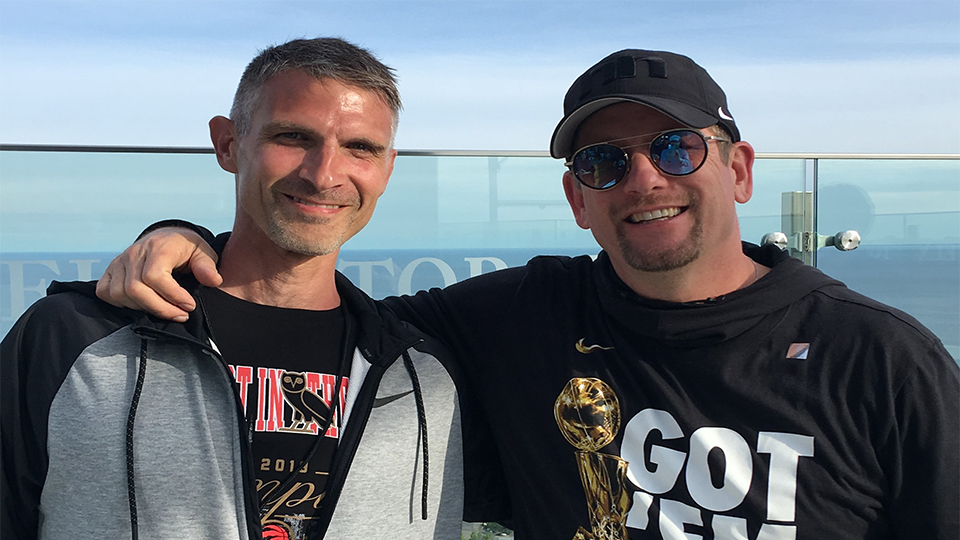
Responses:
[814,76]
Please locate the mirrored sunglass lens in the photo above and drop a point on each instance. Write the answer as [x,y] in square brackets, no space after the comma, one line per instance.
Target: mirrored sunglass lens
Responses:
[600,166]
[679,152]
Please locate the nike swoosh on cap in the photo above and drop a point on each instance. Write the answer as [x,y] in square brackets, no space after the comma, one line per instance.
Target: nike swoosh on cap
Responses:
[381,401]
[724,115]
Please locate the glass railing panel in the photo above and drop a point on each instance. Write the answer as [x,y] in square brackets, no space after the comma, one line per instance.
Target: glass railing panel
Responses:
[446,218]
[908,215]
[443,202]
[771,177]
[98,201]
[64,215]
[443,218]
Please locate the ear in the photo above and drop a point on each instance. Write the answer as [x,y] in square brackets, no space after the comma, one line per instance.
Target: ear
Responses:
[741,161]
[223,133]
[571,187]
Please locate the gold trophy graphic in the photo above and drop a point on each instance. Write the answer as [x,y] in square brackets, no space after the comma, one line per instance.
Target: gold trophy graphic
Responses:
[588,413]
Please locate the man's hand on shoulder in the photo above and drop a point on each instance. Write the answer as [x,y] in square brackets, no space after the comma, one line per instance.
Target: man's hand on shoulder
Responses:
[142,276]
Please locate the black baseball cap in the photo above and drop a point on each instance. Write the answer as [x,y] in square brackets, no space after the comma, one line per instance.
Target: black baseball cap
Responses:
[670,83]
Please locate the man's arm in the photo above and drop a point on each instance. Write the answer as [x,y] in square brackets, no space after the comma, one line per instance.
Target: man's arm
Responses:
[35,357]
[922,449]
[464,316]
[19,483]
[142,276]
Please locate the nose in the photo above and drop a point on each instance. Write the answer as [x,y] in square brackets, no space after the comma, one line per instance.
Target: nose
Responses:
[321,166]
[643,177]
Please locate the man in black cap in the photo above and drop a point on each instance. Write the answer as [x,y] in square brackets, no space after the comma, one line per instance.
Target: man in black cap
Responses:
[685,384]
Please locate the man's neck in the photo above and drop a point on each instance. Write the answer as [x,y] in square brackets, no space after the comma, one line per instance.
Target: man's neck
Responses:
[264,273]
[701,279]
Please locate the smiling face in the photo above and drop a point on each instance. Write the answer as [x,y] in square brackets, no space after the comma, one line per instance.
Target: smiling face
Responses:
[650,221]
[312,165]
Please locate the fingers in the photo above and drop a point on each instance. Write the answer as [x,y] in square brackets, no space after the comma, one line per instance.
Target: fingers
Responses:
[111,276]
[203,264]
[142,276]
[110,285]
[153,288]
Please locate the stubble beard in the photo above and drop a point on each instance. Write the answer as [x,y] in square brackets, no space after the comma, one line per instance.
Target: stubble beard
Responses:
[312,236]
[662,260]
[283,233]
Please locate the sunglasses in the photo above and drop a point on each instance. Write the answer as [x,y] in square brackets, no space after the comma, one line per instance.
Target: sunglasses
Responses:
[677,152]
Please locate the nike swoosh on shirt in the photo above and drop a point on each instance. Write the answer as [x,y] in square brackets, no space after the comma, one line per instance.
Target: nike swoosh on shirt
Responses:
[381,401]
[587,349]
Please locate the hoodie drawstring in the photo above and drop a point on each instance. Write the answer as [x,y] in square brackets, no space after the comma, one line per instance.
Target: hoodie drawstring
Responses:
[135,401]
[422,431]
[131,417]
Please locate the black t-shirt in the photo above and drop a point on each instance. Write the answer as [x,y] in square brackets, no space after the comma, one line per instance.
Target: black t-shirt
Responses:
[793,408]
[285,363]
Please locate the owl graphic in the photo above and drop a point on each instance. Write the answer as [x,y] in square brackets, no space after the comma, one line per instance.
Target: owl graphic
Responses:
[307,406]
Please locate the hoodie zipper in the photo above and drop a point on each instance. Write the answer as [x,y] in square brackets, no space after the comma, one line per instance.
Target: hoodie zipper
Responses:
[347,447]
[349,442]
[245,427]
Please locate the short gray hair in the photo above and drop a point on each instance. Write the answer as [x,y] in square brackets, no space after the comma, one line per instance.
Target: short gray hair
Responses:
[322,58]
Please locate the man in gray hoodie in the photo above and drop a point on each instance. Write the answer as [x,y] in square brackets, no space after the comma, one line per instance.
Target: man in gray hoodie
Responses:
[289,404]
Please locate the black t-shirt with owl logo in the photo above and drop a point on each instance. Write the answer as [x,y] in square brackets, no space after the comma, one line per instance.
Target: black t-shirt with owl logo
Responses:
[285,363]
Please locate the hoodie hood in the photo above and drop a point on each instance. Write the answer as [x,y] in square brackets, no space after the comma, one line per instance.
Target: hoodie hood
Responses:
[380,336]
[193,329]
[715,320]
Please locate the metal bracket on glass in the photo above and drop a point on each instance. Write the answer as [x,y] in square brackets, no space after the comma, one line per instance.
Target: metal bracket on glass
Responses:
[798,236]
[806,242]
[843,240]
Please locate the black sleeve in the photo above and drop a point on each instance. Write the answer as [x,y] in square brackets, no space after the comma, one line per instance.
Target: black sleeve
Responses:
[35,357]
[923,449]
[202,231]
[485,494]
[466,318]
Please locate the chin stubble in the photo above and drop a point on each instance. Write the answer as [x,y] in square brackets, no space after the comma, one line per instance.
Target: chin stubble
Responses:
[286,231]
[283,233]
[666,259]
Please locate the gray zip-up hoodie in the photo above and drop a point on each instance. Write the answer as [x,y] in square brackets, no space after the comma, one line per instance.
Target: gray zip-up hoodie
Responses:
[117,425]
